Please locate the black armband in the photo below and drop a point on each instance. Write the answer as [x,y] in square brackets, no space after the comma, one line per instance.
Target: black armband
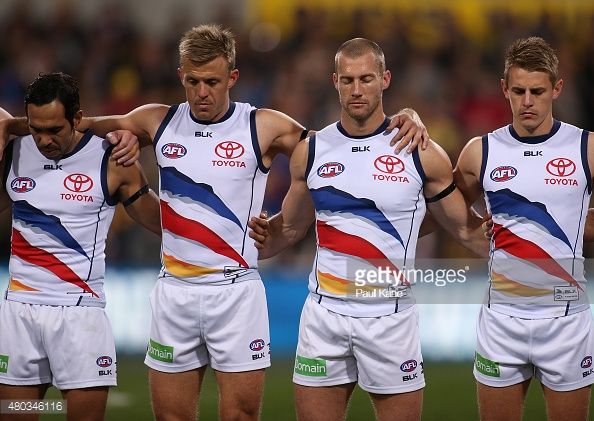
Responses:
[143,190]
[442,193]
[304,134]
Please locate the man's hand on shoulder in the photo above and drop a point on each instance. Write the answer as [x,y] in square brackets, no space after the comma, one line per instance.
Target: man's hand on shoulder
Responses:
[127,149]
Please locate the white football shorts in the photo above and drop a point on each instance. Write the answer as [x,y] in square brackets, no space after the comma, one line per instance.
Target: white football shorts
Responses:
[382,354]
[192,325]
[71,347]
[558,351]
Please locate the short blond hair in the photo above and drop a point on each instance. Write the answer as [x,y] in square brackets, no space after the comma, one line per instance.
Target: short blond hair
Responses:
[357,47]
[204,43]
[533,54]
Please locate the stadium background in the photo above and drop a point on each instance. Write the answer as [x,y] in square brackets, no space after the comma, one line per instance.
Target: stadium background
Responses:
[446,60]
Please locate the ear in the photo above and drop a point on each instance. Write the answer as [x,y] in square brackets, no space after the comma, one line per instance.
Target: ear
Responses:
[557,88]
[386,79]
[335,80]
[77,118]
[504,88]
[180,73]
[233,76]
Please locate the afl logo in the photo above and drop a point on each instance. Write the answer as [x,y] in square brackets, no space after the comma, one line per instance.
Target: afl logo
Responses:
[257,345]
[22,184]
[229,149]
[586,362]
[173,150]
[389,164]
[561,167]
[330,169]
[408,366]
[104,361]
[78,183]
[503,173]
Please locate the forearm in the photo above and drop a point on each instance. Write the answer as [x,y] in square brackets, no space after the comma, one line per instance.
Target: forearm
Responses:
[281,236]
[589,227]
[17,126]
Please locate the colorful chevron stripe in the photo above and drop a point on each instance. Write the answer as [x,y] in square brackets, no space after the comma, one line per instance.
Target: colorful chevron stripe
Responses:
[512,288]
[181,185]
[195,231]
[333,239]
[530,252]
[335,200]
[185,270]
[30,215]
[39,257]
[506,202]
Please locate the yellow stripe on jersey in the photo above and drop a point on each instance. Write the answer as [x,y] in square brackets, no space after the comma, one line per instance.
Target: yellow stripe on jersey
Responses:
[339,286]
[14,285]
[508,287]
[185,270]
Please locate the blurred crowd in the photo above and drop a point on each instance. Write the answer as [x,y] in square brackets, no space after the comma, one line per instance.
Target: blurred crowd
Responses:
[447,73]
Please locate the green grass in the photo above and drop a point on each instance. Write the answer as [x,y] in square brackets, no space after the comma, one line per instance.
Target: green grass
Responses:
[449,395]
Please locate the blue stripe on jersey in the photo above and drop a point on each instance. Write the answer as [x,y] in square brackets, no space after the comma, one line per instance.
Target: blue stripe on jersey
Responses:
[334,200]
[109,199]
[50,224]
[311,154]
[255,143]
[165,122]
[534,140]
[81,144]
[585,164]
[485,142]
[417,160]
[179,184]
[507,202]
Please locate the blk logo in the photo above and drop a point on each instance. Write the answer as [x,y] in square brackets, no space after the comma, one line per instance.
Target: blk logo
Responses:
[561,167]
[22,184]
[203,134]
[532,153]
[173,150]
[229,149]
[361,149]
[389,164]
[78,183]
[52,167]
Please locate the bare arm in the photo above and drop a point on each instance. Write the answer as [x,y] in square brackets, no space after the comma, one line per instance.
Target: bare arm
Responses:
[4,199]
[277,133]
[589,227]
[451,211]
[297,213]
[143,122]
[125,184]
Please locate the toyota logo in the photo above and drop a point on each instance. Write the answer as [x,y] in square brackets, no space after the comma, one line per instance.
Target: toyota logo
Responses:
[78,183]
[389,164]
[229,149]
[561,167]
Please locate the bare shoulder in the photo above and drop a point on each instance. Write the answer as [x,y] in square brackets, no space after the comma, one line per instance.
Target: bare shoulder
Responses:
[434,155]
[299,159]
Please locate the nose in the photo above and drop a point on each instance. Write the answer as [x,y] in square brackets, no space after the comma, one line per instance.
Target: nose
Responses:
[527,99]
[43,140]
[202,90]
[356,88]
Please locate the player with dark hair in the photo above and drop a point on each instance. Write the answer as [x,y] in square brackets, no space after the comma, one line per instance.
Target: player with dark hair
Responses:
[63,188]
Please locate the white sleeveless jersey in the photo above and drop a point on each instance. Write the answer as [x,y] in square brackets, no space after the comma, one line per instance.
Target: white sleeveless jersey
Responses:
[369,207]
[61,213]
[212,180]
[538,190]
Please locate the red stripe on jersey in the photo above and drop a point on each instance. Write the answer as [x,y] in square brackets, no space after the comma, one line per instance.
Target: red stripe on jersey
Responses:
[194,230]
[21,248]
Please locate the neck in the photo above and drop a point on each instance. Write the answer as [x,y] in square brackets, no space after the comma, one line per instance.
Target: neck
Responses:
[364,127]
[542,129]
